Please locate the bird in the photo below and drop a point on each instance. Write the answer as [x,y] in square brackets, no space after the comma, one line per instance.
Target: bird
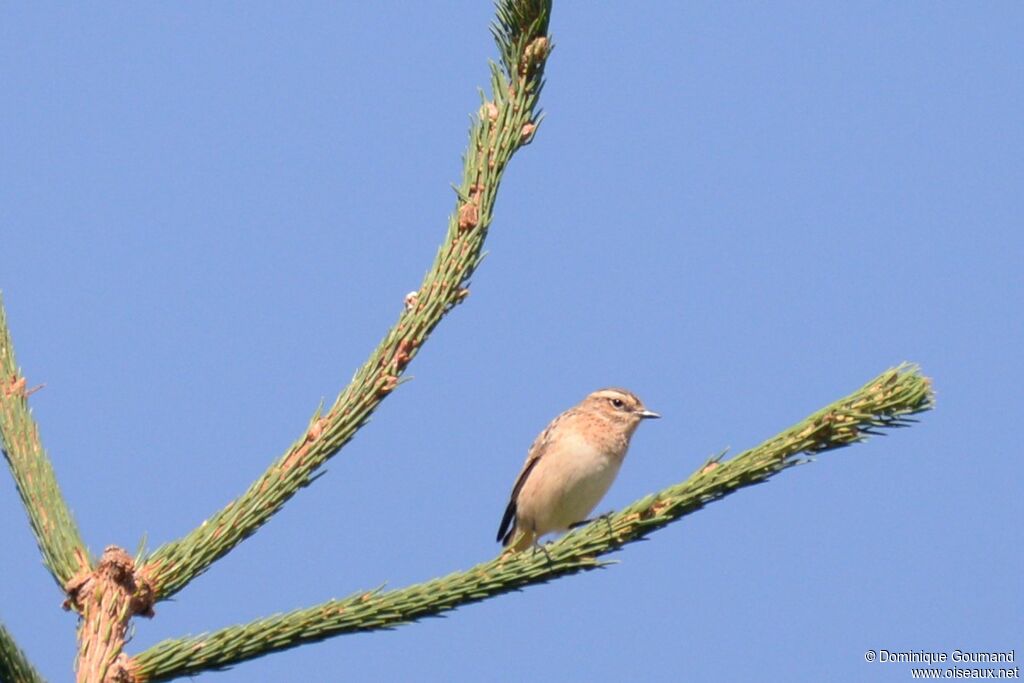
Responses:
[570,466]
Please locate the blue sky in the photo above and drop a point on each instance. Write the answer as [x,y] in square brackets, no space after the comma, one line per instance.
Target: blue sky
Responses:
[209,214]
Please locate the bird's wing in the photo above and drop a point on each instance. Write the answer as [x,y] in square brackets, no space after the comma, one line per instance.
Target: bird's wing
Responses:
[536,452]
[507,527]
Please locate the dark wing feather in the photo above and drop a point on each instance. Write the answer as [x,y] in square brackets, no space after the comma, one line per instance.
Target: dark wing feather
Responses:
[540,444]
[506,528]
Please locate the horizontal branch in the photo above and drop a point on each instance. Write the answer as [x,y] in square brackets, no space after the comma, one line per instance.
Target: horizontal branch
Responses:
[56,533]
[885,402]
[14,665]
[503,125]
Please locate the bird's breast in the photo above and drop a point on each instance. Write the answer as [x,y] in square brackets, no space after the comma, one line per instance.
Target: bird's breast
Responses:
[582,475]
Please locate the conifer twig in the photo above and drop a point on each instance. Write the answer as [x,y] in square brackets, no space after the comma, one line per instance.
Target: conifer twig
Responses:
[885,402]
[14,666]
[503,125]
[56,533]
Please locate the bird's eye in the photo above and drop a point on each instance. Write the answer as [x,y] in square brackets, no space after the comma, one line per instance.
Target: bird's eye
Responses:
[617,402]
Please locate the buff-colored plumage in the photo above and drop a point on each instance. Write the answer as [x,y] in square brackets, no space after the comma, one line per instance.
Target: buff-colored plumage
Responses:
[570,466]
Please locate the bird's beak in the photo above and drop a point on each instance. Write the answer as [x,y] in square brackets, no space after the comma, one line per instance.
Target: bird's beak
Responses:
[648,414]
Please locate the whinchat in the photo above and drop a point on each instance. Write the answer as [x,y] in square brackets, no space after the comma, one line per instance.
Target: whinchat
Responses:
[570,466]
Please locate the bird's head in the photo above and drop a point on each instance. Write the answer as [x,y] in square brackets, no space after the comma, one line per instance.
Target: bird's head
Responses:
[619,407]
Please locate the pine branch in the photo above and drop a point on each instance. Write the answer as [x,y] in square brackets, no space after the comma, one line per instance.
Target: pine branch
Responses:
[885,402]
[14,665]
[64,552]
[502,126]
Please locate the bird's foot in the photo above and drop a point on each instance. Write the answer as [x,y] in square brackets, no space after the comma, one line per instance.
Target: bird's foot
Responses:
[607,517]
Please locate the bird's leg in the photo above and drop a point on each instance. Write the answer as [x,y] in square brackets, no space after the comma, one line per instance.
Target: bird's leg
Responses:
[607,517]
[537,546]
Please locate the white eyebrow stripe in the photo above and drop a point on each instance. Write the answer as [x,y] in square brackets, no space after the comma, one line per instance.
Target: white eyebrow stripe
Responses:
[616,393]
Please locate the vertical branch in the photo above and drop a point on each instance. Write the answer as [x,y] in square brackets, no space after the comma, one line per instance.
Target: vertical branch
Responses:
[107,599]
[63,551]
